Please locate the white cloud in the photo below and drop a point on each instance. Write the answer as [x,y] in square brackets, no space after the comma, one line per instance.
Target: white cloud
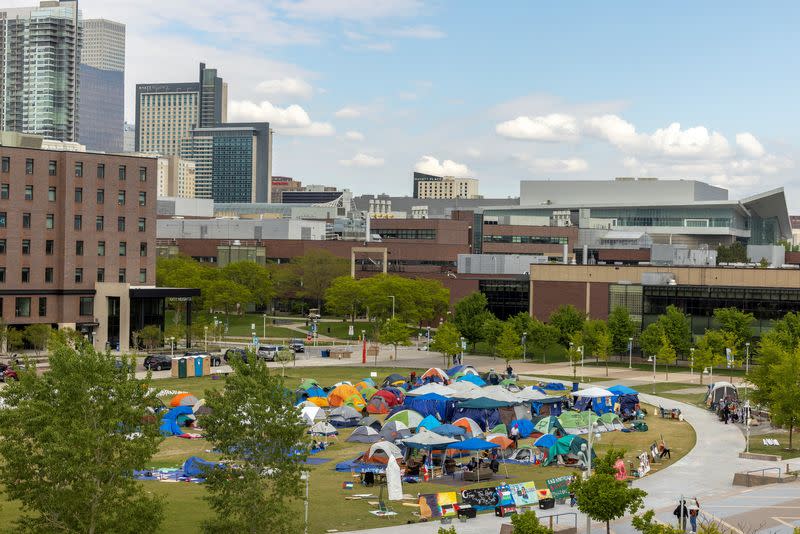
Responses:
[552,128]
[559,165]
[348,112]
[292,87]
[473,152]
[407,95]
[362,160]
[749,145]
[354,136]
[361,10]
[291,120]
[418,32]
[379,47]
[431,165]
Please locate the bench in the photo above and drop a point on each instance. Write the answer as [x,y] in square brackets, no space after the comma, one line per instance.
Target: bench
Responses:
[483,473]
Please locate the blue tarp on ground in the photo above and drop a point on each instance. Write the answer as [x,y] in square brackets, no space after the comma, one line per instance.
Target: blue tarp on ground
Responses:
[473,444]
[197,467]
[474,379]
[169,422]
[525,427]
[360,467]
[555,386]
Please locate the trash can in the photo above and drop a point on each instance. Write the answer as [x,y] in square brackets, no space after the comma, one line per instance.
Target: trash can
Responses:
[325,353]
[575,386]
[182,368]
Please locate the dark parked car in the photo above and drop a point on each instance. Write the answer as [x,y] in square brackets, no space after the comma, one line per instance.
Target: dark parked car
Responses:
[158,362]
[235,352]
[297,345]
[215,358]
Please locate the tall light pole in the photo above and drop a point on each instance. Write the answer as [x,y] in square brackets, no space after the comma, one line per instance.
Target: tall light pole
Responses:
[747,359]
[630,353]
[305,476]
[653,359]
[205,336]
[592,437]
[691,361]
[574,363]
[393,300]
[524,346]
[461,358]
[265,326]
[582,358]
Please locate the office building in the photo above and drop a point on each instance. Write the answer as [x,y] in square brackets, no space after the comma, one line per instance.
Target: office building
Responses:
[102,84]
[129,138]
[283,183]
[176,177]
[444,187]
[39,70]
[233,162]
[166,113]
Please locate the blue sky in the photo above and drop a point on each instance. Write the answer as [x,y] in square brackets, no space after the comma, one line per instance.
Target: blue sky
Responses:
[360,92]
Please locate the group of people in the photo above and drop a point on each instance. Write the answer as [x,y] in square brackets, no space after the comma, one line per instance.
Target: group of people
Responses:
[687,510]
[727,411]
[484,460]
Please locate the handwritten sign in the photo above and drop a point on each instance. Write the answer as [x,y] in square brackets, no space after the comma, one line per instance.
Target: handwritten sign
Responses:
[559,486]
[480,497]
[524,494]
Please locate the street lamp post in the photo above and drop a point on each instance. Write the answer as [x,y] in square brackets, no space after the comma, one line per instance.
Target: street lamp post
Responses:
[205,336]
[747,422]
[393,300]
[747,359]
[461,357]
[524,346]
[630,353]
[265,326]
[172,347]
[691,361]
[653,359]
[582,358]
[574,363]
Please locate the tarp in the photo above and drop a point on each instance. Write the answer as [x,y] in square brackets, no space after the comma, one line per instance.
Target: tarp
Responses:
[364,434]
[394,379]
[463,388]
[410,418]
[473,444]
[425,439]
[472,379]
[429,423]
[449,430]
[498,393]
[555,386]
[525,427]
[169,421]
[530,394]
[197,467]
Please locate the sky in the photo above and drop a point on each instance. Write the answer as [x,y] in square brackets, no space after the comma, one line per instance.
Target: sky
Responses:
[361,93]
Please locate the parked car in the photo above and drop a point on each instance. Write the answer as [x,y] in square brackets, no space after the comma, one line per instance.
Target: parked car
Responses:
[297,345]
[235,352]
[7,373]
[215,358]
[267,352]
[158,362]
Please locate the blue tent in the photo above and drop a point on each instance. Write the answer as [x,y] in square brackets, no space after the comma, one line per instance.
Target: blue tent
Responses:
[473,444]
[622,390]
[431,404]
[486,418]
[449,430]
[359,467]
[474,379]
[484,403]
[430,422]
[369,381]
[546,441]
[524,425]
[169,422]
[197,467]
[555,386]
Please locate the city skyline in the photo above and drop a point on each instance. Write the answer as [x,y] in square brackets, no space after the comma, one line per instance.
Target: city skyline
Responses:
[583,91]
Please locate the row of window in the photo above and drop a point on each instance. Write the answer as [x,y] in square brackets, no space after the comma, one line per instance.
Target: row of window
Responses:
[416,233]
[5,194]
[52,169]
[526,239]
[79,247]
[22,306]
[25,275]
[77,222]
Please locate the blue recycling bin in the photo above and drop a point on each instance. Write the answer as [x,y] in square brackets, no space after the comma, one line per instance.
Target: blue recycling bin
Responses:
[325,353]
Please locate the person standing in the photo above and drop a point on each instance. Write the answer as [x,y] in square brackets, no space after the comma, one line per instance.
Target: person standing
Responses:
[510,371]
[515,435]
[682,513]
[694,511]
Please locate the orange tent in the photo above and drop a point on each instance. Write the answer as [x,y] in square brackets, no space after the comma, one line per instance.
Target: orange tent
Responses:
[183,399]
[346,394]
[500,440]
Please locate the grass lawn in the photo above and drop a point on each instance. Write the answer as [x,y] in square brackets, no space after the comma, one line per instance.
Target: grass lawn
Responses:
[782,450]
[328,508]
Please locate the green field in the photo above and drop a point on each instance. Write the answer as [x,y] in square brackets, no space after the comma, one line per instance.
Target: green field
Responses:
[328,508]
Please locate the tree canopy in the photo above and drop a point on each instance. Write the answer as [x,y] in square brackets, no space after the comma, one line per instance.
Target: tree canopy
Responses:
[567,319]
[315,271]
[470,314]
[676,326]
[394,332]
[621,328]
[509,345]
[447,341]
[603,498]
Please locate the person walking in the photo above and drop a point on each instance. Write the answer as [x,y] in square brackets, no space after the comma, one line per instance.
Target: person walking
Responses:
[515,435]
[682,513]
[510,371]
[694,511]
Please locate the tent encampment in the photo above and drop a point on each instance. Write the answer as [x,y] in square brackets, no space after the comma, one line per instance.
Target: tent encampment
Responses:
[472,379]
[394,379]
[364,434]
[568,447]
[429,423]
[345,394]
[434,374]
[410,418]
[549,425]
[450,430]
[378,405]
[425,439]
[370,421]
[462,370]
[432,387]
[394,430]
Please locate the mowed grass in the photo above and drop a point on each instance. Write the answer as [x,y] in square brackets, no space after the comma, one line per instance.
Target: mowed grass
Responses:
[185,509]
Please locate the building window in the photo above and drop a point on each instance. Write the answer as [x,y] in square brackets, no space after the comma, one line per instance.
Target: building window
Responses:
[22,307]
[142,198]
[79,248]
[48,275]
[78,194]
[121,277]
[28,192]
[51,194]
[42,306]
[26,220]
[121,198]
[78,222]
[121,224]
[78,275]
[101,248]
[101,170]
[526,239]
[49,247]
[50,221]
[101,196]
[122,172]
[79,169]
[142,224]
[99,223]
[142,276]
[2,275]
[143,249]
[86,306]
[142,174]
[26,247]
[4,190]
[52,168]
[2,246]
[3,219]
[26,275]
[123,248]
[29,166]
[5,166]
[101,275]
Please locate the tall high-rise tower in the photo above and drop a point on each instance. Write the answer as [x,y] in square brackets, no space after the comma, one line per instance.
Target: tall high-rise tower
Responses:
[40,52]
[102,72]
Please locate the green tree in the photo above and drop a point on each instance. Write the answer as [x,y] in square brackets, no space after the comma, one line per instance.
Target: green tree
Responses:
[677,327]
[777,379]
[605,464]
[528,523]
[509,345]
[650,339]
[710,351]
[568,320]
[316,270]
[14,339]
[733,253]
[345,296]
[666,354]
[646,524]
[255,425]
[394,332]
[227,296]
[575,352]
[150,335]
[415,300]
[492,328]
[447,341]
[70,439]
[621,328]
[737,323]
[593,329]
[603,498]
[603,347]
[256,278]
[541,338]
[469,316]
[37,335]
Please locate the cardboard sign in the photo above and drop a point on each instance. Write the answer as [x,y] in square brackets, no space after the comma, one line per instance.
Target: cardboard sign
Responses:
[644,464]
[504,496]
[559,486]
[524,494]
[429,506]
[480,497]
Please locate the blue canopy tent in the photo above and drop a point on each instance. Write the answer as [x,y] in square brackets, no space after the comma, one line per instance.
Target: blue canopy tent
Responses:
[473,444]
[431,404]
[197,467]
[627,398]
[430,422]
[169,422]
[545,441]
[473,379]
[449,431]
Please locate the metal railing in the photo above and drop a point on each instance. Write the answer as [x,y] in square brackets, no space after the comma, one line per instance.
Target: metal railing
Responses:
[557,516]
[762,472]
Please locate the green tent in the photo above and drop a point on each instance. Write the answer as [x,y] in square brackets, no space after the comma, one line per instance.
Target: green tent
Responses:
[308,383]
[589,417]
[549,425]
[612,421]
[574,422]
[508,381]
[367,392]
[567,445]
[499,429]
[410,418]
